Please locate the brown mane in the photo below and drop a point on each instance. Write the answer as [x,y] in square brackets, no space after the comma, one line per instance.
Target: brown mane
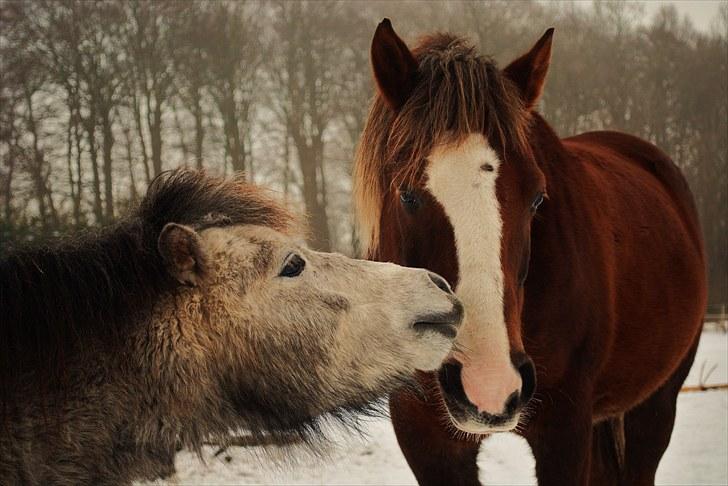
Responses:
[92,288]
[457,92]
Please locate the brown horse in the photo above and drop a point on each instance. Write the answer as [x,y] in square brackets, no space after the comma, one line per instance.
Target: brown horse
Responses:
[198,314]
[457,172]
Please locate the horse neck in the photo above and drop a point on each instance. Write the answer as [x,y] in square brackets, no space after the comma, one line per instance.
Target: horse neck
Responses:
[55,299]
[555,244]
[89,422]
[551,155]
[76,354]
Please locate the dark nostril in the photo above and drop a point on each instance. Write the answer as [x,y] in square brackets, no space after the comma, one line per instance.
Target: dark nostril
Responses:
[450,377]
[512,404]
[525,368]
[440,282]
[528,380]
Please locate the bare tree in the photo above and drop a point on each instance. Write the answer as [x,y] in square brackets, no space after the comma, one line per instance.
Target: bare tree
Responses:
[234,54]
[148,41]
[59,40]
[82,53]
[191,63]
[89,91]
[27,77]
[307,37]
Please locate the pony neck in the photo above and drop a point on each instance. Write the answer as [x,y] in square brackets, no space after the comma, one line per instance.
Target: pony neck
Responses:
[57,298]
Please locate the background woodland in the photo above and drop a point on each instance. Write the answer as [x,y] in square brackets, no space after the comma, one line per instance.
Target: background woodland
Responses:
[96,98]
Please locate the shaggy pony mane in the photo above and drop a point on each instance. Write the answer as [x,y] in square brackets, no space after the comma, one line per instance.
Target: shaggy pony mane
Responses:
[91,288]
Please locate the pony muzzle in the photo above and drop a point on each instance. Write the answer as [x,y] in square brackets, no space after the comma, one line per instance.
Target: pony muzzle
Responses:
[446,324]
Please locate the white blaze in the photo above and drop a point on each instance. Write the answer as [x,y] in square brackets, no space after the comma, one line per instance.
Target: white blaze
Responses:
[467,192]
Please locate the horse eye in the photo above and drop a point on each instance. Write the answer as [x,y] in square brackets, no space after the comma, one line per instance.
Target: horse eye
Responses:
[537,202]
[409,200]
[293,267]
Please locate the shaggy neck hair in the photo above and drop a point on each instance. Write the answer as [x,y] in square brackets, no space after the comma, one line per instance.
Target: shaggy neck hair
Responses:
[57,298]
[457,92]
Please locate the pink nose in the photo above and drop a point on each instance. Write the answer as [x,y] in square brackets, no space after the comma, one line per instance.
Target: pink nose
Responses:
[493,388]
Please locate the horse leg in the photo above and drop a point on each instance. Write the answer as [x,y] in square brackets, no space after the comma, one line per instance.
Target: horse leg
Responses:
[608,450]
[561,433]
[434,454]
[648,426]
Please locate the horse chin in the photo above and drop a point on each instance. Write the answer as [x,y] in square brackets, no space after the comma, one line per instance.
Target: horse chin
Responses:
[480,425]
[464,415]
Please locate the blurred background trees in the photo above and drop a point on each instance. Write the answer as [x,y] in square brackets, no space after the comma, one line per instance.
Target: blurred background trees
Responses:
[96,98]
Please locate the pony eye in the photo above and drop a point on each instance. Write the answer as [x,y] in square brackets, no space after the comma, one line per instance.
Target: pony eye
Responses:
[293,266]
[409,200]
[537,202]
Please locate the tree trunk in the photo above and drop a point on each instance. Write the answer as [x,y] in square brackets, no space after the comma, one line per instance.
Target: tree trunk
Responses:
[199,132]
[140,134]
[316,210]
[133,196]
[108,181]
[78,136]
[287,162]
[232,131]
[181,133]
[36,164]
[47,189]
[155,129]
[249,156]
[69,162]
[8,186]
[238,149]
[90,125]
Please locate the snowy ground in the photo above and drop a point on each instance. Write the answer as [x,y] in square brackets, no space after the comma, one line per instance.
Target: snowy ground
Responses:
[698,452]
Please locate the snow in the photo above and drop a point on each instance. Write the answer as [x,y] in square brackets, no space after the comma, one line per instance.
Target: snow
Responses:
[697,455]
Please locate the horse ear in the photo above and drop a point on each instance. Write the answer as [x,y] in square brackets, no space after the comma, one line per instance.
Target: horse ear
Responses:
[529,70]
[395,68]
[181,250]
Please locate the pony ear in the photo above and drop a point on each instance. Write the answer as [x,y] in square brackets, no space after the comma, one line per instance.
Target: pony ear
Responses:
[528,72]
[181,250]
[395,68]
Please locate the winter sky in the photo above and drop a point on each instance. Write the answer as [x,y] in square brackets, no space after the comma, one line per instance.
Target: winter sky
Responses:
[701,12]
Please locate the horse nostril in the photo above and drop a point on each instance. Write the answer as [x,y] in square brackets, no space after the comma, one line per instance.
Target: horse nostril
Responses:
[512,404]
[451,382]
[528,380]
[440,282]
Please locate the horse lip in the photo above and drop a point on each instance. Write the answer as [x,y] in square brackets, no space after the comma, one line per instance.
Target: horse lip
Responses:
[480,424]
[446,329]
[445,323]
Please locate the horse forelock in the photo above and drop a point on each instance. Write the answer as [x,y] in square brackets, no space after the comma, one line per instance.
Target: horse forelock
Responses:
[458,92]
[92,288]
[196,199]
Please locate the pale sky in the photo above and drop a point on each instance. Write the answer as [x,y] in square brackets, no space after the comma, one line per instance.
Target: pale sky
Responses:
[700,12]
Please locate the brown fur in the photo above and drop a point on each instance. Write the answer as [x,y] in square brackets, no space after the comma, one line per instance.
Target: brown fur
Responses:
[611,309]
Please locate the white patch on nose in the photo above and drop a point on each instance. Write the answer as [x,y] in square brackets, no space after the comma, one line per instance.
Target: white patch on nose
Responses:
[467,192]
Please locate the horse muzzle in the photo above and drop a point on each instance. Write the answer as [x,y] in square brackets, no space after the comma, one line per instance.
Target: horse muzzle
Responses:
[467,417]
